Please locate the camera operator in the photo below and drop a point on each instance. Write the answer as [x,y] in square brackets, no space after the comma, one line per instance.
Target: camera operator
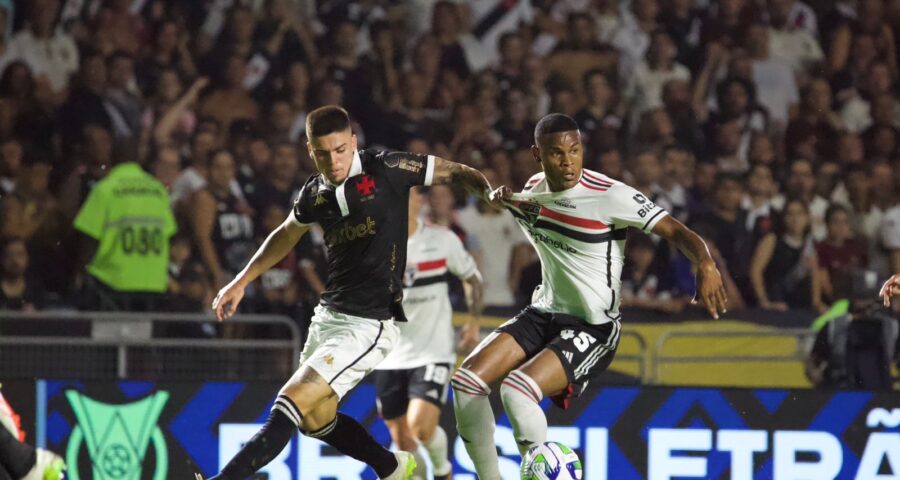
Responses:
[855,350]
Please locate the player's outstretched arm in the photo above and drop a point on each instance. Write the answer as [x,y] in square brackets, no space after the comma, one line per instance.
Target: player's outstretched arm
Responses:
[710,289]
[276,246]
[890,289]
[447,172]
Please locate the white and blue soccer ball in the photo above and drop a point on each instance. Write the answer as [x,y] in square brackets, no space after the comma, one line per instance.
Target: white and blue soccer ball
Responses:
[551,461]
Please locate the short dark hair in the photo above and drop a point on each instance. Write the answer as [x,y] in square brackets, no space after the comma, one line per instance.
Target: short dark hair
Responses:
[834,209]
[724,177]
[327,120]
[554,123]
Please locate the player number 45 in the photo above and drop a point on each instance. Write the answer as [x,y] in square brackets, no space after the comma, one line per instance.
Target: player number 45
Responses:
[581,342]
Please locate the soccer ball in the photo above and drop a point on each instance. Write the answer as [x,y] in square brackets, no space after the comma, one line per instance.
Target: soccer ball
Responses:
[551,461]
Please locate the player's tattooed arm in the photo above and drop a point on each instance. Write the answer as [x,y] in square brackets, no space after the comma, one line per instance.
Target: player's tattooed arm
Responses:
[710,289]
[448,172]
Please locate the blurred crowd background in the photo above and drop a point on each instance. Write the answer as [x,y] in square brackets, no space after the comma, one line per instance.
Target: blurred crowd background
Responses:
[770,127]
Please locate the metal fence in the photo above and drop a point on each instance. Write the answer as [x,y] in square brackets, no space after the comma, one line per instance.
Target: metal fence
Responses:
[106,345]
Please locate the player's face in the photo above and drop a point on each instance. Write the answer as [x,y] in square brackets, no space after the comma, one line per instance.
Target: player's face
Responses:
[333,154]
[561,155]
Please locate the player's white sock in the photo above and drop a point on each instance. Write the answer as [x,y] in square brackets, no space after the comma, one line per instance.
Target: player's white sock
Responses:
[521,398]
[475,422]
[437,452]
[421,471]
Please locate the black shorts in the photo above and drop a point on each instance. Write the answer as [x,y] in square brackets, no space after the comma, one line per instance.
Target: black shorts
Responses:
[585,350]
[395,388]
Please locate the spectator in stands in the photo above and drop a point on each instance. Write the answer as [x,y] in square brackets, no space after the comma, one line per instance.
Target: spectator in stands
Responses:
[783,265]
[651,73]
[839,254]
[647,284]
[32,107]
[865,215]
[761,188]
[774,80]
[442,72]
[126,223]
[230,101]
[795,46]
[11,163]
[94,157]
[122,93]
[580,51]
[188,285]
[18,291]
[504,251]
[727,225]
[736,101]
[166,166]
[279,291]
[646,171]
[801,183]
[193,177]
[168,51]
[221,221]
[282,184]
[599,122]
[48,51]
[632,39]
[889,235]
[170,116]
[676,178]
[86,104]
[817,117]
[869,22]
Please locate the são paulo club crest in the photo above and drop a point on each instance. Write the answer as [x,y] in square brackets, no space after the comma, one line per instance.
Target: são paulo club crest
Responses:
[531,211]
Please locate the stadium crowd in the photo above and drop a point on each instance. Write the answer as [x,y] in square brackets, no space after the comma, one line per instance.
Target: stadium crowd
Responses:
[769,127]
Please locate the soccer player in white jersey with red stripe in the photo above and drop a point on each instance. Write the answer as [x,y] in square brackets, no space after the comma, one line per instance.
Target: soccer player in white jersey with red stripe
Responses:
[576,219]
[412,381]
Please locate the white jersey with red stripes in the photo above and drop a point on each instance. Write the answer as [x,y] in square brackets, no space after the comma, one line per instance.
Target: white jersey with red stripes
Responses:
[432,254]
[579,235]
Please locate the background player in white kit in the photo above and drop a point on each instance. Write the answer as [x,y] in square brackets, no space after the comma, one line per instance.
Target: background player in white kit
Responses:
[576,219]
[413,380]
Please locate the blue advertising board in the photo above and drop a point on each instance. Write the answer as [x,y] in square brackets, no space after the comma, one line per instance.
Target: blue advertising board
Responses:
[145,430]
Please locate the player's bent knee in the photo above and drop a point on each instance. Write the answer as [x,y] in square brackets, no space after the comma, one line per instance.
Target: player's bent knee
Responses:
[423,432]
[308,391]
[465,382]
[518,385]
[401,434]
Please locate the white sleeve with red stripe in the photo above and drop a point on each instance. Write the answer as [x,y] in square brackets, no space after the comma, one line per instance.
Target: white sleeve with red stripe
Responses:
[624,205]
[459,262]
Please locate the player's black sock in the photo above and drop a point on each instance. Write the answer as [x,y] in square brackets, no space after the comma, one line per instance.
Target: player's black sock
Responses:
[261,449]
[350,438]
[442,477]
[16,458]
